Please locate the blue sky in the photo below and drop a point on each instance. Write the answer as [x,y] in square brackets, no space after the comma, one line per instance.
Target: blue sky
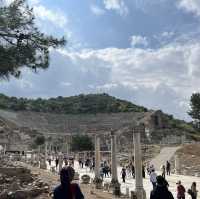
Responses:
[145,51]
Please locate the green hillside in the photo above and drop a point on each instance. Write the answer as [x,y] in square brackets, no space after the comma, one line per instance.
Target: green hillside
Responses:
[92,103]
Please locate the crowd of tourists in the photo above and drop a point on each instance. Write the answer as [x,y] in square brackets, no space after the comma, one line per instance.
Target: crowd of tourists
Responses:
[161,191]
[160,185]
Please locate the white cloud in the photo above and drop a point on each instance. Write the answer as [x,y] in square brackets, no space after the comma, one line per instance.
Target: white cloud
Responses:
[34,2]
[137,40]
[167,34]
[162,78]
[5,2]
[97,10]
[107,87]
[66,84]
[25,84]
[117,5]
[159,78]
[174,65]
[55,17]
[190,6]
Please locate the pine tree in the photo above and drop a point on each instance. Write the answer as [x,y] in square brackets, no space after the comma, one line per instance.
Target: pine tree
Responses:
[21,43]
[195,108]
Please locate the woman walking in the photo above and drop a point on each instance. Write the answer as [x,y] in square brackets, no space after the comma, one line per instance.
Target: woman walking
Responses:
[193,191]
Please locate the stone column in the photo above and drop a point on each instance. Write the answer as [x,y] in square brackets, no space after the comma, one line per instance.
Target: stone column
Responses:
[113,158]
[4,150]
[97,179]
[38,157]
[140,192]
[67,149]
[97,157]
[177,165]
[114,181]
[45,155]
[32,158]
[60,162]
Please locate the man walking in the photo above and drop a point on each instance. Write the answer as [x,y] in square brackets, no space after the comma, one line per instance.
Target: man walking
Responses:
[123,173]
[168,168]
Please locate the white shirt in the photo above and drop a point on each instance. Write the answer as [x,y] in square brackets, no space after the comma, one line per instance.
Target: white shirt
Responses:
[153,176]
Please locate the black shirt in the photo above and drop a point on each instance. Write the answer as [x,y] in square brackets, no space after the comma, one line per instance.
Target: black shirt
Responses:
[62,192]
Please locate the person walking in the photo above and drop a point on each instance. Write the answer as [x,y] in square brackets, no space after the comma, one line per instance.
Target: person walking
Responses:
[101,173]
[133,170]
[168,168]
[193,191]
[161,190]
[57,161]
[67,189]
[123,173]
[163,170]
[180,190]
[153,177]
[143,171]
[49,161]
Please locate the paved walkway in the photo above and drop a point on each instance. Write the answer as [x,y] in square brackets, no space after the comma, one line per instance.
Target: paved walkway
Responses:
[53,179]
[130,182]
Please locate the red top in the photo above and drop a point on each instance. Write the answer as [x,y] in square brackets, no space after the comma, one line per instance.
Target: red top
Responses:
[180,191]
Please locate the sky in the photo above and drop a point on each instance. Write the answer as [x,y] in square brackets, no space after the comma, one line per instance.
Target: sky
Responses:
[144,51]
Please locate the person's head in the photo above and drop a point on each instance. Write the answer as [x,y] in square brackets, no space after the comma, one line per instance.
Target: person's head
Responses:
[153,170]
[194,184]
[179,182]
[161,181]
[67,175]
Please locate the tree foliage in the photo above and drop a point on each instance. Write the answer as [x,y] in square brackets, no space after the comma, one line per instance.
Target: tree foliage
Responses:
[21,43]
[195,107]
[92,103]
[82,143]
[39,140]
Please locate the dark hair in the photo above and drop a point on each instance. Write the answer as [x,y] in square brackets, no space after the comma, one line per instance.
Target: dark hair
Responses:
[161,181]
[67,175]
[194,184]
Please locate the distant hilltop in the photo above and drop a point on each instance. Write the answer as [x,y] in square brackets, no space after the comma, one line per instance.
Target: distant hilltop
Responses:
[22,118]
[91,104]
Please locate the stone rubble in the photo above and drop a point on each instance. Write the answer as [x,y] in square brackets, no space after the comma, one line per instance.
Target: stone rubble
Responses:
[17,182]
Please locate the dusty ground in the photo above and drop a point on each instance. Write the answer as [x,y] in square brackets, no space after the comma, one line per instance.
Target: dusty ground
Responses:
[189,156]
[53,180]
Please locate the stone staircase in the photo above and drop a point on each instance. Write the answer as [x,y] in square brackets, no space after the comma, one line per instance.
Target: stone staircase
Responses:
[165,154]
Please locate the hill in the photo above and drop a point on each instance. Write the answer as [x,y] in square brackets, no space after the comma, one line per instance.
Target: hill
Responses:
[94,113]
[92,103]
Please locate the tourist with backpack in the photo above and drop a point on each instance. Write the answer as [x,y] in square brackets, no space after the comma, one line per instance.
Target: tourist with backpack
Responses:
[161,190]
[180,190]
[67,189]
